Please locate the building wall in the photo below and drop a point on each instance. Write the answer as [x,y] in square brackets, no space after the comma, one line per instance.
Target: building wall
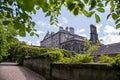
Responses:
[73,45]
[57,39]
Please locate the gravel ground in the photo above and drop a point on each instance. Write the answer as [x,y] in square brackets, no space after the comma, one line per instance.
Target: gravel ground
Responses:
[10,71]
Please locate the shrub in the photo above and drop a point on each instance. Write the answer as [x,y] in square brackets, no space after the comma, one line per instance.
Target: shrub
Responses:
[78,58]
[105,59]
[54,55]
[116,62]
[87,58]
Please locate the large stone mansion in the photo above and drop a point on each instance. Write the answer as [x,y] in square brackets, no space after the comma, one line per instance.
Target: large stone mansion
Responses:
[67,39]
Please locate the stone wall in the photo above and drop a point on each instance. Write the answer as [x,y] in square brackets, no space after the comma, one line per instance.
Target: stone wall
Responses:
[42,66]
[61,71]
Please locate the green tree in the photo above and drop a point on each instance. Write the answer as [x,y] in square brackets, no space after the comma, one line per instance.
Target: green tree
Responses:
[17,12]
[7,38]
[89,48]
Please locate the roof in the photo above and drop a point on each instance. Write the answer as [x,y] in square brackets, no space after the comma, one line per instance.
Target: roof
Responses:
[108,49]
[50,35]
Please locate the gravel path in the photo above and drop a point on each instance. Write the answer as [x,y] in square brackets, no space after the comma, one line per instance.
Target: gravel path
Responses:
[10,71]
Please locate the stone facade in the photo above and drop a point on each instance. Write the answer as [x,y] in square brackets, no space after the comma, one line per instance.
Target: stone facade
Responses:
[67,39]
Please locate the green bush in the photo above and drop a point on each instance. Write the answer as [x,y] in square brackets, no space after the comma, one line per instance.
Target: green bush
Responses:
[78,58]
[116,62]
[54,55]
[65,60]
[105,59]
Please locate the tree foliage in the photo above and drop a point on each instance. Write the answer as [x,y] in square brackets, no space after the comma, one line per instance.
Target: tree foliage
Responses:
[7,38]
[17,12]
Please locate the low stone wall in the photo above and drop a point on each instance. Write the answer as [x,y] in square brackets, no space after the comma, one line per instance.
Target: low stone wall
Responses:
[62,71]
[40,65]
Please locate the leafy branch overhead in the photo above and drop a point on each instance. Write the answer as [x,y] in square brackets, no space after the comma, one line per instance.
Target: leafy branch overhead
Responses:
[17,12]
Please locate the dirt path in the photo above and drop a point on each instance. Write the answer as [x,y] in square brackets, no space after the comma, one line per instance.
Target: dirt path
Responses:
[10,71]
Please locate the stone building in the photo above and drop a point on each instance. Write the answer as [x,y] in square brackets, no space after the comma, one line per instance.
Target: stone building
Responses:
[67,39]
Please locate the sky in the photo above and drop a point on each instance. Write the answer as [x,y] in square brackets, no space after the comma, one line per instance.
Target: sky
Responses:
[107,32]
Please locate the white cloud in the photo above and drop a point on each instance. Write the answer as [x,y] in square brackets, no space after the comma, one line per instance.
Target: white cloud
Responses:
[29,42]
[80,31]
[45,24]
[110,38]
[99,27]
[111,20]
[107,7]
[111,30]
[41,23]
[36,43]
[64,20]
[84,35]
[39,32]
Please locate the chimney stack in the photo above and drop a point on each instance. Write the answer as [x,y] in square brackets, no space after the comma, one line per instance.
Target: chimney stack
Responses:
[71,30]
[93,34]
[60,28]
[66,29]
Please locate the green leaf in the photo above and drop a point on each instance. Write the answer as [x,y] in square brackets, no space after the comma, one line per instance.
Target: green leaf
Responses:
[22,32]
[107,2]
[118,26]
[114,16]
[117,21]
[81,5]
[86,1]
[34,11]
[100,5]
[6,22]
[90,14]
[112,5]
[69,1]
[101,10]
[32,33]
[93,4]
[97,18]
[45,7]
[76,11]
[37,7]
[71,6]
[108,16]
[118,12]
[37,35]
[85,12]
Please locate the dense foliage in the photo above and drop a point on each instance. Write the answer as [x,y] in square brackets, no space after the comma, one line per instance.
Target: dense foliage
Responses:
[17,12]
[116,62]
[7,39]
[78,58]
[52,54]
[105,59]
[113,61]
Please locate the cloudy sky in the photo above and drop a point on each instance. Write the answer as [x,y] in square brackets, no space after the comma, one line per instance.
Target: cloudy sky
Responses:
[106,28]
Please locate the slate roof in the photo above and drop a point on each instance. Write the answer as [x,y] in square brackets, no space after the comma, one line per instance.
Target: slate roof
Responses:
[108,49]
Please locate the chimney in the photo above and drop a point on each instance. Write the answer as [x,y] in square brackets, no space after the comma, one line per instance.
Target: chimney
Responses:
[93,34]
[60,28]
[66,29]
[71,30]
